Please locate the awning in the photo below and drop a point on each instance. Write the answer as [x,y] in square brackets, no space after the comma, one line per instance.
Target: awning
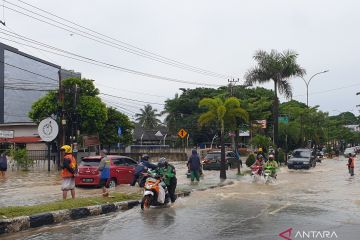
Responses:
[21,140]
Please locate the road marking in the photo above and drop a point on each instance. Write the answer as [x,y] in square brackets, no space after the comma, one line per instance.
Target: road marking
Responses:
[279,209]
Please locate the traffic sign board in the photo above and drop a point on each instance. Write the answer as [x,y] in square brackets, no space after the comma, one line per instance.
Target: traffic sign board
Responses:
[182,133]
[48,129]
[283,119]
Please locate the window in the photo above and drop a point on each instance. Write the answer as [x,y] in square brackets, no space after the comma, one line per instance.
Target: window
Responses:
[118,162]
[130,162]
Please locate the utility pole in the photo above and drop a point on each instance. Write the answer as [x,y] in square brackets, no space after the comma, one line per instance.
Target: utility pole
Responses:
[62,122]
[232,84]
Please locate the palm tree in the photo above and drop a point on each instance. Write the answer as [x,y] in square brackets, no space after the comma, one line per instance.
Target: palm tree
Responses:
[221,112]
[279,68]
[148,117]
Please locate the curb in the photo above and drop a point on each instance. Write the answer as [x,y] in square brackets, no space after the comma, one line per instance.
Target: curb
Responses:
[18,224]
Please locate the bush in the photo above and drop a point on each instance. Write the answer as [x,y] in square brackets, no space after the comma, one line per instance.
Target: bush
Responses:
[21,158]
[250,160]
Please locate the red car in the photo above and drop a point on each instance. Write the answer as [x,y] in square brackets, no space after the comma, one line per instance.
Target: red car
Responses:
[121,170]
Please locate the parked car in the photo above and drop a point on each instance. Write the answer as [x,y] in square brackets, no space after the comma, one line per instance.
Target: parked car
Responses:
[302,158]
[121,171]
[351,150]
[212,160]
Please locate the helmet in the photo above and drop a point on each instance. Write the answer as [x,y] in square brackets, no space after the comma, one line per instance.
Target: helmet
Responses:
[162,162]
[104,151]
[260,149]
[66,148]
[260,156]
[145,157]
[271,156]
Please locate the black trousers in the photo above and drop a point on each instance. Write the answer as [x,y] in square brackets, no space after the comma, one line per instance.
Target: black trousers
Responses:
[171,189]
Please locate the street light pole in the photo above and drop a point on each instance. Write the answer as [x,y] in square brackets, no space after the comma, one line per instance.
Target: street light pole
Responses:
[307,83]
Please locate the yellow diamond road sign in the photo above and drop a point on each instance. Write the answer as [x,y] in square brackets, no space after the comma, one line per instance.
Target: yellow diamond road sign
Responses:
[182,133]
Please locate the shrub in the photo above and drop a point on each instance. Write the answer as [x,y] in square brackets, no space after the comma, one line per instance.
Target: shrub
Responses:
[21,158]
[250,160]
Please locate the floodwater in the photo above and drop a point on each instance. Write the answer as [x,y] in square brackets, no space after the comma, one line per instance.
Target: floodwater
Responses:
[37,185]
[325,198]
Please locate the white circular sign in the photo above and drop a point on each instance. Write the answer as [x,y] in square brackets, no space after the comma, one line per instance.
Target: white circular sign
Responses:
[48,129]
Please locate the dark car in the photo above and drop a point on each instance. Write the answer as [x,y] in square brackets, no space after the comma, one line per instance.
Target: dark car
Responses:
[212,160]
[121,170]
[302,158]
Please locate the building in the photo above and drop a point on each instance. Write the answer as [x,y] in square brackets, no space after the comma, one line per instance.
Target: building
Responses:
[353,128]
[23,80]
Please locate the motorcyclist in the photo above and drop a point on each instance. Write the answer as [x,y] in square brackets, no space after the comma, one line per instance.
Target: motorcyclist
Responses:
[142,166]
[169,177]
[272,164]
[259,162]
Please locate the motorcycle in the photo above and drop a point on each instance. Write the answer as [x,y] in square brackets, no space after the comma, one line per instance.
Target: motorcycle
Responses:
[155,193]
[268,174]
[256,172]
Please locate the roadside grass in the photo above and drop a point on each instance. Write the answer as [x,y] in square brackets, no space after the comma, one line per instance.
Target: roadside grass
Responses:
[16,211]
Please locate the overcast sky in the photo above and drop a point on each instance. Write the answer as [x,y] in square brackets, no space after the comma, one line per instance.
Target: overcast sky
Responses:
[219,36]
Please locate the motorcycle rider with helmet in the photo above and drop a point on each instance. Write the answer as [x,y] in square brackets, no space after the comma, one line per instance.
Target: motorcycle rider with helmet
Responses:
[142,166]
[169,177]
[259,162]
[272,164]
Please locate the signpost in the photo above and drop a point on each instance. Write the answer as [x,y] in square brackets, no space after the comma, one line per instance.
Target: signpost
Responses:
[283,119]
[48,129]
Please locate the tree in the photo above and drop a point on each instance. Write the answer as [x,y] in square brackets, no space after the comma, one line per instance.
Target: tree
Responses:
[109,134]
[89,112]
[219,112]
[279,68]
[148,117]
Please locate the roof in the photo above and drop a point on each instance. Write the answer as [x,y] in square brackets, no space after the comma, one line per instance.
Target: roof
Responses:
[149,134]
[21,140]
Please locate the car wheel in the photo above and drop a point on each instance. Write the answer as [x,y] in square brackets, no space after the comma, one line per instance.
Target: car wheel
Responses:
[112,183]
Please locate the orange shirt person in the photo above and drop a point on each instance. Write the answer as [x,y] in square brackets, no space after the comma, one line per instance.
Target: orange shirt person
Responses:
[68,172]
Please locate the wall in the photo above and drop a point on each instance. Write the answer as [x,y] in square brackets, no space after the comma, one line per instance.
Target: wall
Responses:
[22,130]
[21,87]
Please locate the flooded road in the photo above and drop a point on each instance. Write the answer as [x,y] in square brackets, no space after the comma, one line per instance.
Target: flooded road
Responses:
[321,199]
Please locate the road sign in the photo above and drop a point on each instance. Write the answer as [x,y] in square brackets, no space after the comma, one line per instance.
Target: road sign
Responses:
[182,133]
[283,119]
[48,129]
[6,134]
[260,123]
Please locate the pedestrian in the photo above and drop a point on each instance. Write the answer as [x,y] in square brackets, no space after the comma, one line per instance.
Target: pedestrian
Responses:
[169,176]
[104,168]
[3,164]
[69,170]
[194,166]
[351,164]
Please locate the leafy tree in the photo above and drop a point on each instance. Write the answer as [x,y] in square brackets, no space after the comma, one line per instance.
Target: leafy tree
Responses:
[148,117]
[89,113]
[109,134]
[276,67]
[221,112]
[261,141]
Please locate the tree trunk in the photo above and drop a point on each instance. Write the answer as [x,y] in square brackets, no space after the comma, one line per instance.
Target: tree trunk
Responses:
[236,150]
[223,160]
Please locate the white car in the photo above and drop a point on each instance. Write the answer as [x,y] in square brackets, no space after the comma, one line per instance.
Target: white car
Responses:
[349,150]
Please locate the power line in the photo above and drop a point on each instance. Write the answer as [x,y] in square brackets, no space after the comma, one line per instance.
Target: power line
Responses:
[95,62]
[131,99]
[129,48]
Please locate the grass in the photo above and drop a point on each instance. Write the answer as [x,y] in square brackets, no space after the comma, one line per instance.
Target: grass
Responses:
[16,211]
